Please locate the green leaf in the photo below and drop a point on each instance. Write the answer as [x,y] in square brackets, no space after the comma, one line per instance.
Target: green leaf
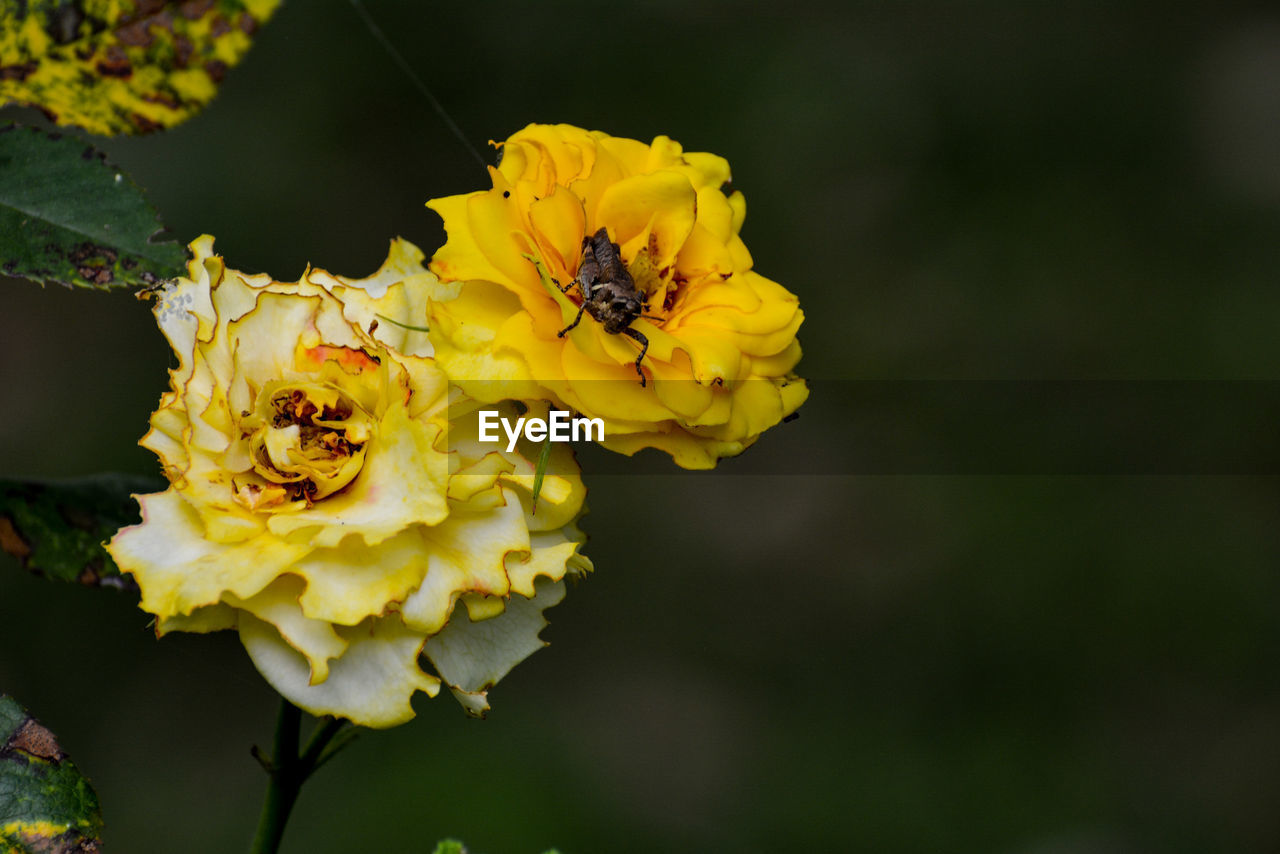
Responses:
[46,806]
[544,456]
[68,216]
[57,529]
[401,325]
[128,66]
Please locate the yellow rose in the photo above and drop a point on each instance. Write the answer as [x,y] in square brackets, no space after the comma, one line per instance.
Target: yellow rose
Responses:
[717,339]
[322,504]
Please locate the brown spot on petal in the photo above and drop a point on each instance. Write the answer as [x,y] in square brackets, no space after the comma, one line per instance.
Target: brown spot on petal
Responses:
[669,299]
[37,741]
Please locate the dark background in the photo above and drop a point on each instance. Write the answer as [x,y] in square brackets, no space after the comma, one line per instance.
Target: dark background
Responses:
[917,660]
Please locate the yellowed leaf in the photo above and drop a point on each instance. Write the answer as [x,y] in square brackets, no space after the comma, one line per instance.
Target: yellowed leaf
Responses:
[122,66]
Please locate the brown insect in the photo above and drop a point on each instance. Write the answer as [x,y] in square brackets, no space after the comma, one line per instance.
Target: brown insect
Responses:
[609,293]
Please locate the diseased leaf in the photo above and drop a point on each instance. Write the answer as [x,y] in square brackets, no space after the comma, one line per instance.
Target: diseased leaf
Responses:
[46,806]
[68,216]
[57,529]
[122,66]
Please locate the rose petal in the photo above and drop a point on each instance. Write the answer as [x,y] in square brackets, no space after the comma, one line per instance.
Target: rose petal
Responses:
[472,657]
[371,684]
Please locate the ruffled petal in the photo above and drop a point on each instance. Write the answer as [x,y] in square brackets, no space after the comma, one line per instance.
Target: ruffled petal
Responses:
[371,684]
[318,500]
[511,286]
[179,569]
[472,657]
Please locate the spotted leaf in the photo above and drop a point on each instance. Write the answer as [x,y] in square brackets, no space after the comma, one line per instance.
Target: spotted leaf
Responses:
[46,805]
[122,66]
[57,529]
[68,216]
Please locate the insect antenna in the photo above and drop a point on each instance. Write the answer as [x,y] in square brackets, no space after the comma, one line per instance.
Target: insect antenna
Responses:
[422,88]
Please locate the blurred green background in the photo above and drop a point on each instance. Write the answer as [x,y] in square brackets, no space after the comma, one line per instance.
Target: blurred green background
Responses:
[830,662]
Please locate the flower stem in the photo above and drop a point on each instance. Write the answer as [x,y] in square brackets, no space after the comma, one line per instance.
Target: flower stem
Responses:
[288,770]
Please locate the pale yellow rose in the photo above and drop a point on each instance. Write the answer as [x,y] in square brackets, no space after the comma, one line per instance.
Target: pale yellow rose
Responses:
[322,504]
[721,337]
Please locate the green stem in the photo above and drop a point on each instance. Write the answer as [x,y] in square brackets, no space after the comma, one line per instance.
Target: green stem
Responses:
[287,772]
[319,740]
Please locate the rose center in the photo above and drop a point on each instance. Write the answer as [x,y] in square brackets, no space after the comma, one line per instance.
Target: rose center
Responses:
[308,438]
[658,287]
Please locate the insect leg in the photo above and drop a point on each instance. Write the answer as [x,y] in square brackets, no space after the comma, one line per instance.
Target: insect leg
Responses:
[644,348]
[581,309]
